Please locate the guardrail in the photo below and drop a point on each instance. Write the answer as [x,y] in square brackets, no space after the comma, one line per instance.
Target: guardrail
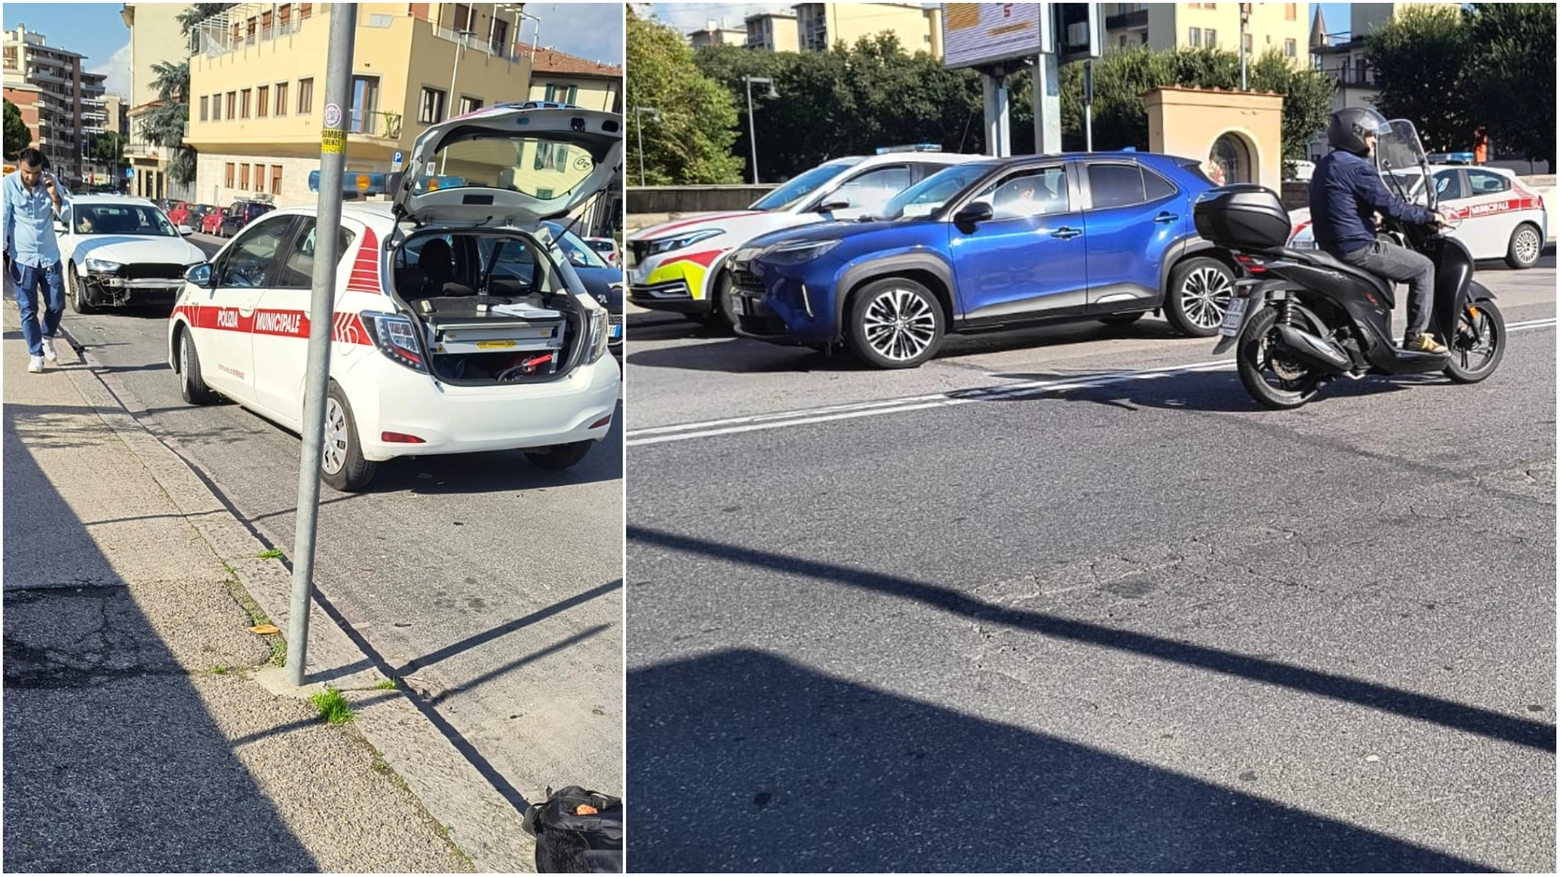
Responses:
[692,199]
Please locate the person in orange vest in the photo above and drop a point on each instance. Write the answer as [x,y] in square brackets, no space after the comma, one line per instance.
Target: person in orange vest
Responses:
[1481,146]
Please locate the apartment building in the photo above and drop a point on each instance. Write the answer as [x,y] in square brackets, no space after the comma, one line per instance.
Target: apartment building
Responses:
[773,32]
[155,38]
[717,34]
[1341,55]
[1160,26]
[821,25]
[61,104]
[594,85]
[258,83]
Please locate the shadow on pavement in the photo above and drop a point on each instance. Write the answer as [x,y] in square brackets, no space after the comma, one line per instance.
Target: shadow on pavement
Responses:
[779,768]
[1426,708]
[1209,391]
[111,760]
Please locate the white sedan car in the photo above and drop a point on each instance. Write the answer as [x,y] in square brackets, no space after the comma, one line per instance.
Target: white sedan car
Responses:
[1501,218]
[459,324]
[119,251]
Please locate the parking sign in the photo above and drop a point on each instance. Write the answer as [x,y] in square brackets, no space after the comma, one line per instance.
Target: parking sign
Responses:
[396,161]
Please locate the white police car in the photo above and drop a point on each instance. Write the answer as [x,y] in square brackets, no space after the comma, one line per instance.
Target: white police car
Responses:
[458,325]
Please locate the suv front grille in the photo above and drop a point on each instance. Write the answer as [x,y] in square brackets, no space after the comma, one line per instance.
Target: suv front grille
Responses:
[745,281]
[152,271]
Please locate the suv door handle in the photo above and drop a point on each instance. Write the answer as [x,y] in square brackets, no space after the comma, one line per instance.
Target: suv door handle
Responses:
[1065,232]
[1167,217]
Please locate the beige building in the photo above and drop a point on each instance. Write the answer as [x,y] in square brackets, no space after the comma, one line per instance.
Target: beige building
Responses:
[1160,26]
[259,87]
[61,104]
[559,76]
[155,38]
[773,32]
[821,25]
[717,34]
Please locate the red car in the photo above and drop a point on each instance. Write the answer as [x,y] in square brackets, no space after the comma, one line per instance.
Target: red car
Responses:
[211,223]
[179,213]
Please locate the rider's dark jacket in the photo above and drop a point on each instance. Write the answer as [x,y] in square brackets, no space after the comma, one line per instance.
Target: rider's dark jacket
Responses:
[1346,192]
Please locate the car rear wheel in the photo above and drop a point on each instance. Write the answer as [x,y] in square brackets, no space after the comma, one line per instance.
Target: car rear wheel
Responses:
[192,386]
[1199,294]
[76,292]
[559,457]
[342,465]
[1527,243]
[895,323]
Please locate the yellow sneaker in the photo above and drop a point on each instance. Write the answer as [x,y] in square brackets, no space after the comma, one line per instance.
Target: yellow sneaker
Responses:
[1423,343]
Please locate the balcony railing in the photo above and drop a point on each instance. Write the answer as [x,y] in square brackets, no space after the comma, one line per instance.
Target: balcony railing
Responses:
[1138,18]
[1353,77]
[471,42]
[381,125]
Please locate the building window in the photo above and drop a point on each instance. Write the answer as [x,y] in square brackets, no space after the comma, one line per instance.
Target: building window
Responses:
[551,156]
[431,110]
[304,9]
[205,107]
[1289,48]
[305,96]
[243,103]
[216,108]
[232,105]
[262,101]
[381,20]
[562,93]
[243,176]
[1290,12]
[229,176]
[1211,38]
[465,18]
[276,179]
[499,39]
[1194,37]
[259,178]
[365,103]
[470,105]
[281,98]
[283,15]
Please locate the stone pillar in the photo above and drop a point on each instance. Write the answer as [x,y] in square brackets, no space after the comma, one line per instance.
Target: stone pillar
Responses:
[1191,122]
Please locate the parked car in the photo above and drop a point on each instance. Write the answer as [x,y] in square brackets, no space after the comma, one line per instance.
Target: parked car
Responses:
[603,280]
[179,213]
[681,266]
[607,248]
[239,214]
[993,244]
[1501,217]
[434,351]
[211,223]
[119,251]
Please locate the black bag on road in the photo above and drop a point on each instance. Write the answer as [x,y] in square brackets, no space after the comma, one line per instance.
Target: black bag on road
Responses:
[577,832]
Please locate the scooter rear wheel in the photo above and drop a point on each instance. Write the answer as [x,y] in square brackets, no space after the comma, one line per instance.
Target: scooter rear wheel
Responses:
[1273,379]
[1478,344]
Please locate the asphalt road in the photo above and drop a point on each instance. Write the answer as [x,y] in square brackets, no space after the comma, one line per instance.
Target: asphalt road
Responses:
[901,621]
[493,587]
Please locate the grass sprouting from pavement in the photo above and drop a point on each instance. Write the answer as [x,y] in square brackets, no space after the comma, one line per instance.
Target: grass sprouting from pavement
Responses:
[333,708]
[385,685]
[272,554]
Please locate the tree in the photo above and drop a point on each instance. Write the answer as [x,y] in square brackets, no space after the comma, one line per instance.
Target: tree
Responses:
[1419,60]
[196,13]
[692,142]
[17,135]
[108,148]
[1510,76]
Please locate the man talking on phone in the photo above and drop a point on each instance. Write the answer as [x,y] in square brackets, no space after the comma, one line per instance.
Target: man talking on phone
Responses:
[32,255]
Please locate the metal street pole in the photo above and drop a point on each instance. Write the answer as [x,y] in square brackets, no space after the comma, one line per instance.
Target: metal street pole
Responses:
[333,160]
[460,49]
[752,130]
[1245,15]
[639,121]
[1088,106]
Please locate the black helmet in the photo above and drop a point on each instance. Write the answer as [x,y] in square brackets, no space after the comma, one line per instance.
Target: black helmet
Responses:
[1346,129]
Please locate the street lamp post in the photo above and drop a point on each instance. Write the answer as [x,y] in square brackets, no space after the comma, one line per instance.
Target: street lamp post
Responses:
[460,49]
[1245,18]
[752,130]
[639,124]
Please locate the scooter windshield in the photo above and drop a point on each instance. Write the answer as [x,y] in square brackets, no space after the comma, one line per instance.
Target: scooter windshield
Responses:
[1401,158]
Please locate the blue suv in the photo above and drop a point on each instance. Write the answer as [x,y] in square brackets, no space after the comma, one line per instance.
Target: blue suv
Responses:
[993,244]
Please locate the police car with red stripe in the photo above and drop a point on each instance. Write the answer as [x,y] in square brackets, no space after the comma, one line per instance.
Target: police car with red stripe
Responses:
[459,324]
[1501,217]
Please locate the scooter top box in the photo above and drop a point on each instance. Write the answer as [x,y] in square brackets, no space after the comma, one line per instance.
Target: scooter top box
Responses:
[462,325]
[1242,217]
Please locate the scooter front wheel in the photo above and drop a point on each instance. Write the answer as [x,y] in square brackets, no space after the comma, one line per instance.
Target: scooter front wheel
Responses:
[1272,377]
[1478,343]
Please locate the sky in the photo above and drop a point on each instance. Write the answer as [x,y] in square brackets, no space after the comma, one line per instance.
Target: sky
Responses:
[591,30]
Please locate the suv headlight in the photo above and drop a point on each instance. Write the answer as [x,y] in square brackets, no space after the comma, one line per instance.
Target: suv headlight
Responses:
[797,252]
[666,245]
[103,266]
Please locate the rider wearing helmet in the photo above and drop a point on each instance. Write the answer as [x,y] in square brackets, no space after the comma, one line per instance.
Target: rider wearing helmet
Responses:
[1346,193]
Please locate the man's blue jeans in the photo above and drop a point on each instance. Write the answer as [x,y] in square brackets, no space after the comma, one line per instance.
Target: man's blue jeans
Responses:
[29,281]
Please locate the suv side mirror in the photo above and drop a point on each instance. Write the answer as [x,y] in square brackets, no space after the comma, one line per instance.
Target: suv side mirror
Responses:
[833,204]
[978,211]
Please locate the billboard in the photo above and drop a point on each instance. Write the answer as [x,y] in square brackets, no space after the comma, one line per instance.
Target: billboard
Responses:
[986,33]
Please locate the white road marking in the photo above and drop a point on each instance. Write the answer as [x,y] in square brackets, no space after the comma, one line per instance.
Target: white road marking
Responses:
[808,416]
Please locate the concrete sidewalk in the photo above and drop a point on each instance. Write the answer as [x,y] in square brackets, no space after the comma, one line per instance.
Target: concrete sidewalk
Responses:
[146,728]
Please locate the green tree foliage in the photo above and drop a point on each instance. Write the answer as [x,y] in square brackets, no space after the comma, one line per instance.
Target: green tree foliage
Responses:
[1510,76]
[846,101]
[17,135]
[693,141]
[108,148]
[1451,69]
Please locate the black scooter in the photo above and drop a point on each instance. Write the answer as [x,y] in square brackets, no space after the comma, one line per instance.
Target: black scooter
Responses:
[1302,318]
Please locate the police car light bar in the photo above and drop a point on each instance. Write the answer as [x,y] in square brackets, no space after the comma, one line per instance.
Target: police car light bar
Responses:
[911,147]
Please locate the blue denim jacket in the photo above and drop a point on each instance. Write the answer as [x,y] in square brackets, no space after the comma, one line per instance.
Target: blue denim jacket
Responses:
[29,221]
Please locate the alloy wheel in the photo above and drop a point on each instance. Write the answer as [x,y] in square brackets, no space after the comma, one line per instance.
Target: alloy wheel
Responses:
[899,324]
[1205,296]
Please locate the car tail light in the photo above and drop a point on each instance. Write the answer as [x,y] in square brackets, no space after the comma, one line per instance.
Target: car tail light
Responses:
[401,438]
[396,338]
[600,423]
[1250,263]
